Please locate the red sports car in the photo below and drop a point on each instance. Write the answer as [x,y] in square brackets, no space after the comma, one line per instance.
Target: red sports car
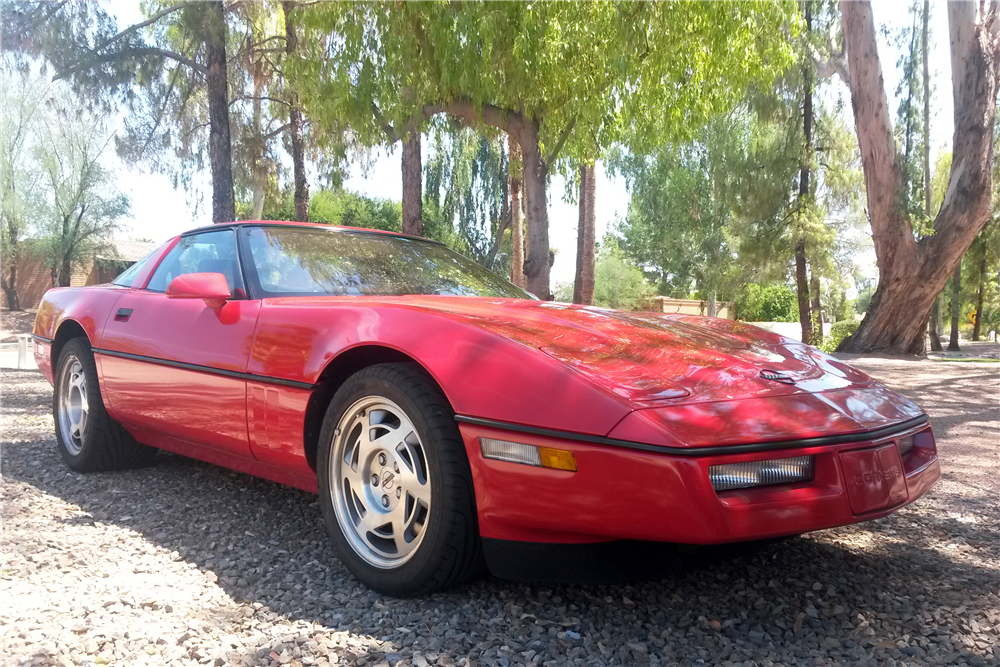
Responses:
[449,420]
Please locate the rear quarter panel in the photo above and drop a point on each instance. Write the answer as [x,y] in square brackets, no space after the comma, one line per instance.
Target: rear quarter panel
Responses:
[86,306]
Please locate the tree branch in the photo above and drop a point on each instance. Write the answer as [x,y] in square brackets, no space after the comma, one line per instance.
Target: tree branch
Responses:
[142,51]
[835,64]
[132,28]
[890,227]
[562,140]
[275,133]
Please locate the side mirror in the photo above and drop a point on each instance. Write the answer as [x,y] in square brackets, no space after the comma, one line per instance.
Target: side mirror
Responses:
[212,287]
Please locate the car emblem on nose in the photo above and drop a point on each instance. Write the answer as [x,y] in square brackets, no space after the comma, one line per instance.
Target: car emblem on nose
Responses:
[776,376]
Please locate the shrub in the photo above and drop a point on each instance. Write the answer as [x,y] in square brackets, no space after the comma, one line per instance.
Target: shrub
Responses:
[838,332]
[766,303]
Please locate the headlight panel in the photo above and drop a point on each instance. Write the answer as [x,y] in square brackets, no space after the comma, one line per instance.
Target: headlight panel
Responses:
[749,474]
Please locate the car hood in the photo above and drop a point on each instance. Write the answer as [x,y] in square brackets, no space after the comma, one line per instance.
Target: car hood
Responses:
[650,359]
[675,380]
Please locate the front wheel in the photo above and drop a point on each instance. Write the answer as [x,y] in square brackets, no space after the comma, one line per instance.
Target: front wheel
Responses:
[395,486]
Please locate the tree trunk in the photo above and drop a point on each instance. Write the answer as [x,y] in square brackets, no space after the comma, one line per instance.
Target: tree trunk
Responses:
[536,265]
[912,273]
[583,285]
[956,308]
[413,215]
[713,305]
[977,327]
[934,323]
[817,308]
[934,326]
[10,286]
[802,290]
[801,280]
[219,144]
[515,169]
[65,273]
[295,124]
[257,152]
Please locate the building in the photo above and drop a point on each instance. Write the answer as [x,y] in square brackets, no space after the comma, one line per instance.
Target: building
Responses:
[34,276]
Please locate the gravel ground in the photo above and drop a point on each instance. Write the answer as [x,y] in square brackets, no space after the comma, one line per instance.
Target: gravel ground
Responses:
[185,563]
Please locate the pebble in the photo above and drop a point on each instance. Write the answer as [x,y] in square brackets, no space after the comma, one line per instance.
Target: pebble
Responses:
[185,563]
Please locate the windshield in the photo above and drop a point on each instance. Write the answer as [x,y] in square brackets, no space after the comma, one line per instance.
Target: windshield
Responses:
[298,261]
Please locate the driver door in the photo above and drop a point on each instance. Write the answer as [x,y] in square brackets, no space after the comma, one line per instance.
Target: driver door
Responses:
[176,368]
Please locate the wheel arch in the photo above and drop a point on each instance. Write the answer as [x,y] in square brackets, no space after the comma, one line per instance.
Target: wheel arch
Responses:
[336,372]
[67,331]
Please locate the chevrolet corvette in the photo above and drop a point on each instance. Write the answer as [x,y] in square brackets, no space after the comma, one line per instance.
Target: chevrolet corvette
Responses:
[450,421]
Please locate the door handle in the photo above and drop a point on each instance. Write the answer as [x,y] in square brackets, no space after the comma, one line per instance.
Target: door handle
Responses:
[123,313]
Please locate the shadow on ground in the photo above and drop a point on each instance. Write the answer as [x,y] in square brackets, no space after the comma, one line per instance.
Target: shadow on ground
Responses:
[906,586]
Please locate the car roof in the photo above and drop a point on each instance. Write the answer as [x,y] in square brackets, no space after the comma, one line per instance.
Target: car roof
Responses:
[307,225]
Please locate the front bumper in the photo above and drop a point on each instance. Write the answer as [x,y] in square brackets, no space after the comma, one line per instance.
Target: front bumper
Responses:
[619,493]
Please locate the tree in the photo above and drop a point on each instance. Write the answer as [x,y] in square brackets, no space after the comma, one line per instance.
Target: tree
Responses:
[801,279]
[516,226]
[683,199]
[583,285]
[466,203]
[295,121]
[413,222]
[545,73]
[82,208]
[934,324]
[22,99]
[913,272]
[112,67]
[618,283]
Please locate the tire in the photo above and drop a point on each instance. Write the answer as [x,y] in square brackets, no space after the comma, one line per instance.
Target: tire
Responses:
[88,439]
[413,530]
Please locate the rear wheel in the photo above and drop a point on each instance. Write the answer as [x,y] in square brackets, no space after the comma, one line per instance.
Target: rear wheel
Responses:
[88,438]
[395,486]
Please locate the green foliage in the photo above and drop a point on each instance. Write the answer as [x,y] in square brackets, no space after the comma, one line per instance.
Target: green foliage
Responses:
[766,303]
[660,68]
[339,207]
[465,193]
[682,205]
[56,188]
[618,283]
[22,98]
[838,332]
[837,306]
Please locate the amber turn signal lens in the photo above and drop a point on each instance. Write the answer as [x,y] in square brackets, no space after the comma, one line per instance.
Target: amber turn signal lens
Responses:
[516,452]
[560,459]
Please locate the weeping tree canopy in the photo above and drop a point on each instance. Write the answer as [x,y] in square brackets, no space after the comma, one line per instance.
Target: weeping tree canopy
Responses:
[560,77]
[465,194]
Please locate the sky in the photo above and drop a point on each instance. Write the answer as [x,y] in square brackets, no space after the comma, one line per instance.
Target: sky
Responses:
[159,211]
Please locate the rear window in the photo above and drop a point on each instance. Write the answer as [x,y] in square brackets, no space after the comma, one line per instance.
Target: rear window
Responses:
[294,261]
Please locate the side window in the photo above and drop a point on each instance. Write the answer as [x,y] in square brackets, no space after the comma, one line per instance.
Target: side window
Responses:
[211,252]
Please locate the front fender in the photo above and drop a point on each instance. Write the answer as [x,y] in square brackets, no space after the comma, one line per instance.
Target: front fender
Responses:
[482,373]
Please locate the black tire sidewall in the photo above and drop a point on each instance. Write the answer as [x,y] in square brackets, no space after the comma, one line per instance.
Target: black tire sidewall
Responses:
[437,432]
[86,459]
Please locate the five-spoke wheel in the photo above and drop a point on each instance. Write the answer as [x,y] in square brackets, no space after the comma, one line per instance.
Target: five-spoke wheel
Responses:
[381,481]
[394,483]
[73,406]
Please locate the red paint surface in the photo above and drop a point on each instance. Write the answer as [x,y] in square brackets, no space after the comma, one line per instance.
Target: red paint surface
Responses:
[198,407]
[623,494]
[672,380]
[874,478]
